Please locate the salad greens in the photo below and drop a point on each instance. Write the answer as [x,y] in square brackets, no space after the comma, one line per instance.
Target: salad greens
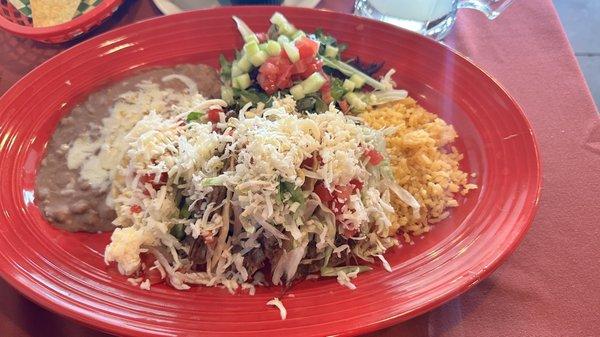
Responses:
[308,66]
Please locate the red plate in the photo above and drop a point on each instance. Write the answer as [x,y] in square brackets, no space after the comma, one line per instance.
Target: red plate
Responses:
[65,272]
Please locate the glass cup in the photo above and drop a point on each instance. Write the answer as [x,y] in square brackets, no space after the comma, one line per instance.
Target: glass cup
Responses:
[433,18]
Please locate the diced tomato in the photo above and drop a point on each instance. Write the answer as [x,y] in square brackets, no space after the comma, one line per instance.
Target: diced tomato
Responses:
[285,64]
[262,37]
[299,67]
[307,47]
[337,199]
[342,193]
[135,208]
[283,83]
[266,83]
[344,106]
[326,93]
[358,185]
[336,206]
[275,74]
[374,157]
[284,80]
[283,54]
[149,271]
[214,115]
[322,192]
[285,69]
[269,69]
[312,66]
[303,68]
[150,179]
[280,61]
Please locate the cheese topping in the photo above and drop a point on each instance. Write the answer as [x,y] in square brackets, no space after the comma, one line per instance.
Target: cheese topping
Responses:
[97,158]
[228,193]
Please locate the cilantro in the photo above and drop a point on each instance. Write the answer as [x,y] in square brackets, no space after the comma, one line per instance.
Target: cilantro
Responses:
[194,116]
[294,192]
[328,40]
[337,88]
[225,71]
[311,103]
[251,95]
[320,105]
[306,104]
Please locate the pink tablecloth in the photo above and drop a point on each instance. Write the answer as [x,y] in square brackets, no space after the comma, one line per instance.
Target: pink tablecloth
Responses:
[549,286]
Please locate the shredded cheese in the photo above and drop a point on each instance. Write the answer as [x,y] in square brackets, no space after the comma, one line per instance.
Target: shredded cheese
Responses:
[277,303]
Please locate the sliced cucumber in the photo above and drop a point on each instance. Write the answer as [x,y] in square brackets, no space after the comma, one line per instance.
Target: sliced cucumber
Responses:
[358,80]
[331,51]
[313,83]
[285,27]
[236,70]
[282,39]
[251,38]
[289,30]
[273,48]
[298,34]
[242,81]
[244,64]
[355,102]
[348,85]
[278,19]
[259,58]
[227,94]
[291,51]
[297,91]
[251,48]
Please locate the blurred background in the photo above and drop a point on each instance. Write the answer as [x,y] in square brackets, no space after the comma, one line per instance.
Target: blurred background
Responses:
[581,21]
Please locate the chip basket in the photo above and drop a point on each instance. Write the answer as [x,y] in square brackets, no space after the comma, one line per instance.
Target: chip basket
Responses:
[14,21]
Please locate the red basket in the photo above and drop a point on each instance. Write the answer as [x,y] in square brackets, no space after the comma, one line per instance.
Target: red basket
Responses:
[13,21]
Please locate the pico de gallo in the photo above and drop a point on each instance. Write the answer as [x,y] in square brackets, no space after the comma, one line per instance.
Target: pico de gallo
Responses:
[308,66]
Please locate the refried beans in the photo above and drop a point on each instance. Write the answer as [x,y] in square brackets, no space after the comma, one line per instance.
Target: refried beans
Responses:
[66,199]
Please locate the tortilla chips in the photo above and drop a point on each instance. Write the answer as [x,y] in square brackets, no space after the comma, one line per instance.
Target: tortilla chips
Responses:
[52,12]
